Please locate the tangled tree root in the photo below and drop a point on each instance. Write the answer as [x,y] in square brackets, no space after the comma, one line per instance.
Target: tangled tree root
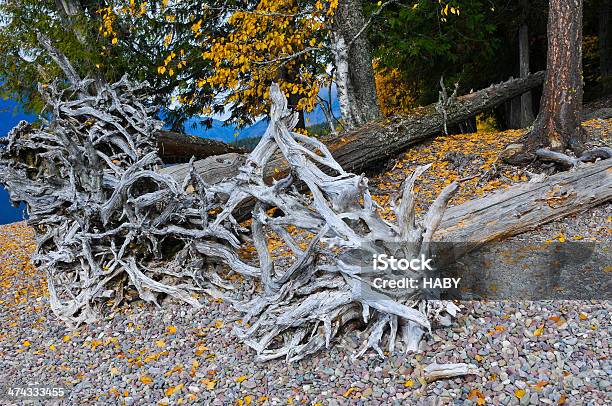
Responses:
[107,220]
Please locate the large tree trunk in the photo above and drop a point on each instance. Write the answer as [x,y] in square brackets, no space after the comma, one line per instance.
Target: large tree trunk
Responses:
[558,123]
[353,60]
[374,143]
[605,43]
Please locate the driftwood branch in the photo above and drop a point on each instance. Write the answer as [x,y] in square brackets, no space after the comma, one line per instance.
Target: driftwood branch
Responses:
[567,161]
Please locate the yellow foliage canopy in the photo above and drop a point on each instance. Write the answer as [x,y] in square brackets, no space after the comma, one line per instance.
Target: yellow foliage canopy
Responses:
[273,42]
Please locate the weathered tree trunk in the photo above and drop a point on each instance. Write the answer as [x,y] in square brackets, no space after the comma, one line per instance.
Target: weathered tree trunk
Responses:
[558,123]
[375,142]
[526,206]
[526,115]
[179,148]
[353,60]
[605,43]
[521,109]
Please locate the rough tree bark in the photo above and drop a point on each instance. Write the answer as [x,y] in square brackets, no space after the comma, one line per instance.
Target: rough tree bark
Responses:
[558,123]
[353,60]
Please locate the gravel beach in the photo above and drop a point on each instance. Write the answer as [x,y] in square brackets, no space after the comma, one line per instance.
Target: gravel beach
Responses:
[527,352]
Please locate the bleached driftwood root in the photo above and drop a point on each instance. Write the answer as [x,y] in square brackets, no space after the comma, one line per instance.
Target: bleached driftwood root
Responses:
[305,304]
[108,222]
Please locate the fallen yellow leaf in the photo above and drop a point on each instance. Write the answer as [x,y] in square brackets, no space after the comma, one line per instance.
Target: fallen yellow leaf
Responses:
[171,390]
[200,349]
[348,392]
[538,331]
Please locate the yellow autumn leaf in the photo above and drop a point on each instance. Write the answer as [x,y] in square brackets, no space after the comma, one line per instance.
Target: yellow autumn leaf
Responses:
[52,347]
[241,378]
[209,383]
[541,384]
[114,371]
[248,399]
[519,393]
[171,390]
[200,349]
[160,343]
[171,329]
[26,343]
[538,331]
[409,383]
[146,380]
[583,316]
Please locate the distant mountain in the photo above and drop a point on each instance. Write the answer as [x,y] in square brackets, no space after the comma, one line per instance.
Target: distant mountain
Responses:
[221,132]
[10,115]
[317,116]
[230,133]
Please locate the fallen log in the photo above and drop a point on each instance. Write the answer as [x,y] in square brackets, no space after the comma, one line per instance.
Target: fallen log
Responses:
[176,148]
[374,143]
[526,206]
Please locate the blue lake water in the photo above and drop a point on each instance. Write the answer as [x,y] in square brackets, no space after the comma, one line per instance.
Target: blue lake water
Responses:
[9,117]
